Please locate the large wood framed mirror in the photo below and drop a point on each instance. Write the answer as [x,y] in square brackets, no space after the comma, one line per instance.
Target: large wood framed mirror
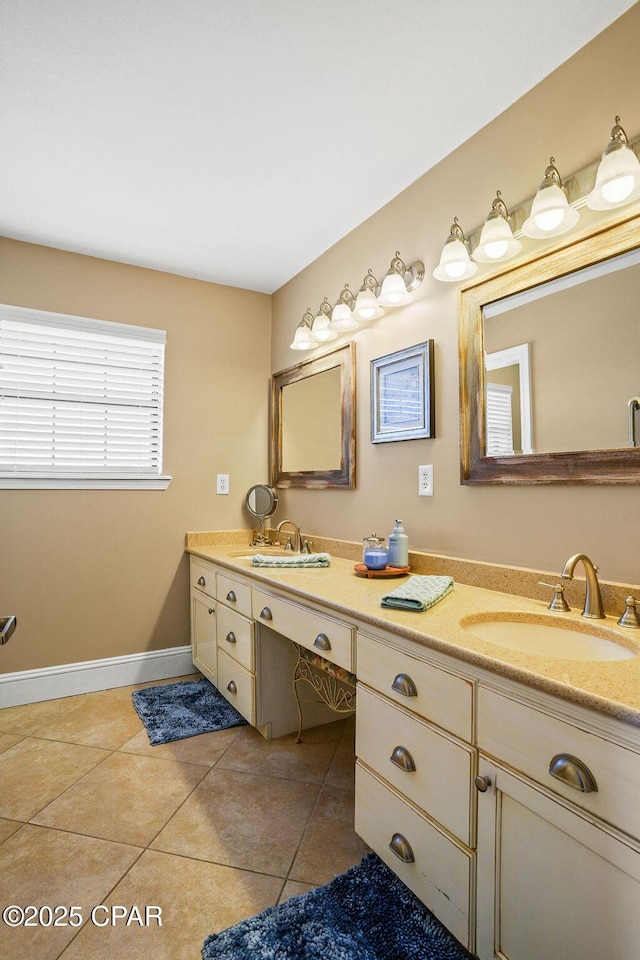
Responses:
[567,409]
[313,441]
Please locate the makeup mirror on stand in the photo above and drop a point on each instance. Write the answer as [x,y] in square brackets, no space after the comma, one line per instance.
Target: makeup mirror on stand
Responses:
[261,502]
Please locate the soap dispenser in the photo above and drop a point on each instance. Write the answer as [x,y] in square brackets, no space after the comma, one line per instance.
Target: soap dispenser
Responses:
[398,546]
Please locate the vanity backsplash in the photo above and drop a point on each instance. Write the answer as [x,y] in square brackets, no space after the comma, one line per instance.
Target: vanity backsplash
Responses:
[518,581]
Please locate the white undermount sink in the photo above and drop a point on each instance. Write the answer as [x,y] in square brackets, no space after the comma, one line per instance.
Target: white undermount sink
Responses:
[540,635]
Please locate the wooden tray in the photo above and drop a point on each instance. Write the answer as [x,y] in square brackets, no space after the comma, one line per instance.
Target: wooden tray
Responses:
[363,571]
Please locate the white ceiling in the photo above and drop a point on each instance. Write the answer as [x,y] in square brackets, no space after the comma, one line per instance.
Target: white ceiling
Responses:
[236,140]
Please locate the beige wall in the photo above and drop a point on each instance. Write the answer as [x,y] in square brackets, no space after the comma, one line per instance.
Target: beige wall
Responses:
[98,573]
[569,115]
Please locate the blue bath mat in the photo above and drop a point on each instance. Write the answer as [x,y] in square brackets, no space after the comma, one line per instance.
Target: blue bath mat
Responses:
[366,913]
[174,711]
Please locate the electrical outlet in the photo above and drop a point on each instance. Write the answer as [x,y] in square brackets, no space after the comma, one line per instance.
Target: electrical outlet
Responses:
[425,480]
[222,483]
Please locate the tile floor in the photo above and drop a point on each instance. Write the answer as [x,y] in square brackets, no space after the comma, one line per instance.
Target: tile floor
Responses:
[210,829]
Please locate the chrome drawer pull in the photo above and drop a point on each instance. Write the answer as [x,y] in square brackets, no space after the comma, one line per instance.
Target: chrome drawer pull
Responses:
[231,686]
[202,582]
[403,759]
[402,848]
[231,597]
[230,637]
[322,642]
[266,614]
[404,684]
[482,784]
[211,610]
[573,772]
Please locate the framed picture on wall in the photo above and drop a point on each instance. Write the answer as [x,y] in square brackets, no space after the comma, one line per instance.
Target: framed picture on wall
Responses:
[402,400]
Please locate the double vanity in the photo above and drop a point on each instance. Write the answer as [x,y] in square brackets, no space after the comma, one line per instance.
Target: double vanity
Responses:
[499,779]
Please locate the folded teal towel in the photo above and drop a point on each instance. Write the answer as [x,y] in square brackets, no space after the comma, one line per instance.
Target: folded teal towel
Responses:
[292,560]
[418,593]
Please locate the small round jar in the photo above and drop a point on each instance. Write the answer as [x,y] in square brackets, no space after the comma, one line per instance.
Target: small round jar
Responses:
[375,555]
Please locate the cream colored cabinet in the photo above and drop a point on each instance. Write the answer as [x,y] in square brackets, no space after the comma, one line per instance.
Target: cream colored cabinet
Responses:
[236,645]
[415,800]
[241,640]
[324,635]
[203,618]
[558,837]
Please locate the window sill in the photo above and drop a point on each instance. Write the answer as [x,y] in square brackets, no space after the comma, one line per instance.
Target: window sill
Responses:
[84,483]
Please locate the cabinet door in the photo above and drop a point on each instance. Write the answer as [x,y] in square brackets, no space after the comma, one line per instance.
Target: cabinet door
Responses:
[552,881]
[203,636]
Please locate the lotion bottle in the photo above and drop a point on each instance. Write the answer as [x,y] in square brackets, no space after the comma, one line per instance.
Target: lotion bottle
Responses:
[398,546]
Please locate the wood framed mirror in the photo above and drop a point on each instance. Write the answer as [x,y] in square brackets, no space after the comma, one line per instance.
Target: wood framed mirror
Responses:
[576,308]
[313,441]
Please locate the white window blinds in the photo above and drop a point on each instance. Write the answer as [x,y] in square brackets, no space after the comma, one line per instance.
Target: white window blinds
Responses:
[80,401]
[499,420]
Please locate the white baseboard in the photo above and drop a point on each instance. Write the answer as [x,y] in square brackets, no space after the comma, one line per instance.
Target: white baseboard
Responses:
[50,683]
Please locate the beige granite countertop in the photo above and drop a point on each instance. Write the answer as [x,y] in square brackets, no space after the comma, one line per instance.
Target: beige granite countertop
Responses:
[610,687]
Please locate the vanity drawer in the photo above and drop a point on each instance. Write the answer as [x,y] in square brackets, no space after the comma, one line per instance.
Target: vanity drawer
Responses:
[235,636]
[203,576]
[237,595]
[237,685]
[327,637]
[528,740]
[441,871]
[433,693]
[432,770]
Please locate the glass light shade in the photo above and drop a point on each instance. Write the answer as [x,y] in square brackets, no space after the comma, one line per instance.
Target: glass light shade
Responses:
[303,339]
[367,307]
[497,242]
[617,180]
[394,291]
[455,263]
[551,214]
[342,320]
[321,328]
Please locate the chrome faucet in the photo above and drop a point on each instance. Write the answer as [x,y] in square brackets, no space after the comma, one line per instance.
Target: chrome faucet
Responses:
[593,597]
[298,538]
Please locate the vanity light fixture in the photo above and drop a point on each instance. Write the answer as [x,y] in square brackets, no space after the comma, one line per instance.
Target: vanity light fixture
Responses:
[342,318]
[550,214]
[400,281]
[367,306]
[349,311]
[455,262]
[618,176]
[497,241]
[321,328]
[303,338]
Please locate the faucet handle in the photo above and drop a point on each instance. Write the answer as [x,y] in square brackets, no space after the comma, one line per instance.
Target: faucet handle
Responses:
[288,545]
[558,601]
[307,546]
[630,616]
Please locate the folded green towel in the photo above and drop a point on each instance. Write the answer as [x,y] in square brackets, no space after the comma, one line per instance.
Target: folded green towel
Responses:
[418,593]
[292,560]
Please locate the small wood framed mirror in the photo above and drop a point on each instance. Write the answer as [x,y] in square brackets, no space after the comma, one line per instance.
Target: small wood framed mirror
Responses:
[313,422]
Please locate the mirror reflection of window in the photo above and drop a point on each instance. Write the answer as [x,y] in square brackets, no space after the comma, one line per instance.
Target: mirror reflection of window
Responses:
[312,423]
[508,371]
[500,421]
